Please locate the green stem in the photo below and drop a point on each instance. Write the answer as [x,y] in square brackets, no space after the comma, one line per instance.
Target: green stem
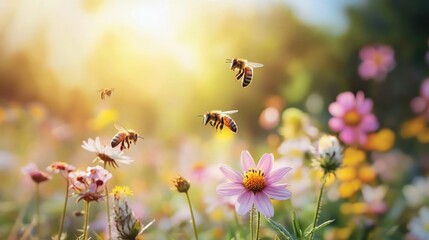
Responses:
[252,218]
[39,231]
[319,200]
[238,232]
[85,225]
[108,207]
[64,210]
[258,224]
[192,215]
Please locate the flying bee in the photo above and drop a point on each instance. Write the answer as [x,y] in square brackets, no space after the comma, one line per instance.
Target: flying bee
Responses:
[245,69]
[106,92]
[124,137]
[218,119]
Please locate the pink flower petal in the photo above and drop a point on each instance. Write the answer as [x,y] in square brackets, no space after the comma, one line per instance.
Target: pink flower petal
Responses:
[231,174]
[424,89]
[366,52]
[369,123]
[336,124]
[347,99]
[277,175]
[277,192]
[229,189]
[247,161]
[266,163]
[367,70]
[418,104]
[362,138]
[365,107]
[336,109]
[263,204]
[244,202]
[348,135]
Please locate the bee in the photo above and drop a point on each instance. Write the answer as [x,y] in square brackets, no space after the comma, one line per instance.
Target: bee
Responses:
[245,69]
[124,137]
[106,92]
[218,119]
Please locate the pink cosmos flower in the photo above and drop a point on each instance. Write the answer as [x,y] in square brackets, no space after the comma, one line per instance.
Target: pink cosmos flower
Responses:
[89,185]
[61,167]
[420,104]
[377,61]
[352,117]
[36,175]
[256,186]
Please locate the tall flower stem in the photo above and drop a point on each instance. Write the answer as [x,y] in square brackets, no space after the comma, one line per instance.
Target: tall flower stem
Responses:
[319,200]
[252,218]
[85,225]
[192,215]
[108,206]
[39,230]
[64,210]
[258,224]
[238,232]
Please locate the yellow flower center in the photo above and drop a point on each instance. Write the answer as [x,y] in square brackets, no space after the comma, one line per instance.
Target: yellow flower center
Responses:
[378,59]
[254,180]
[352,118]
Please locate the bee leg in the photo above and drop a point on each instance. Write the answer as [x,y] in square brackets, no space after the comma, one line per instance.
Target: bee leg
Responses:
[217,125]
[240,74]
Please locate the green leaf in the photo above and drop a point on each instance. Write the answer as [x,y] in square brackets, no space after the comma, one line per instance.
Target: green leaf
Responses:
[322,225]
[296,227]
[282,230]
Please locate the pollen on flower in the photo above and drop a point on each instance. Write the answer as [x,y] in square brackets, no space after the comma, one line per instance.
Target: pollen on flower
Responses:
[254,180]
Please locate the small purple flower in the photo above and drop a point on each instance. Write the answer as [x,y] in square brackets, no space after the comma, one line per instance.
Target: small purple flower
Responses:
[377,61]
[420,104]
[352,117]
[36,175]
[89,185]
[256,185]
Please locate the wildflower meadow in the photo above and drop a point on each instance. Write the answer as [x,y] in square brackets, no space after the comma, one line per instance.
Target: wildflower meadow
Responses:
[291,120]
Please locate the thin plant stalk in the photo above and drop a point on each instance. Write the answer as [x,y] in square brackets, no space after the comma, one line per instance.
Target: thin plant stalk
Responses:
[85,225]
[238,232]
[108,206]
[258,224]
[192,215]
[39,233]
[252,218]
[319,200]
[64,210]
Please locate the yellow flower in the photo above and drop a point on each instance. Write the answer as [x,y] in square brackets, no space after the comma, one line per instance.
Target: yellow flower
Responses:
[413,127]
[296,124]
[121,191]
[381,141]
[354,173]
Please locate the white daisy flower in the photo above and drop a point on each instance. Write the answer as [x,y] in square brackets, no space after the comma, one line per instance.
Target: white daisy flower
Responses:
[106,153]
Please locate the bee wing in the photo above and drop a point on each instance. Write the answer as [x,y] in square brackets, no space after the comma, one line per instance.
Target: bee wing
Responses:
[120,128]
[230,112]
[255,65]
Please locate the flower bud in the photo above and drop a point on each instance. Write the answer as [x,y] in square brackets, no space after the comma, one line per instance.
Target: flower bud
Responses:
[181,184]
[328,154]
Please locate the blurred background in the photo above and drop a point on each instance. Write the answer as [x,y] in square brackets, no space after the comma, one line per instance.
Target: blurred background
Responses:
[166,63]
